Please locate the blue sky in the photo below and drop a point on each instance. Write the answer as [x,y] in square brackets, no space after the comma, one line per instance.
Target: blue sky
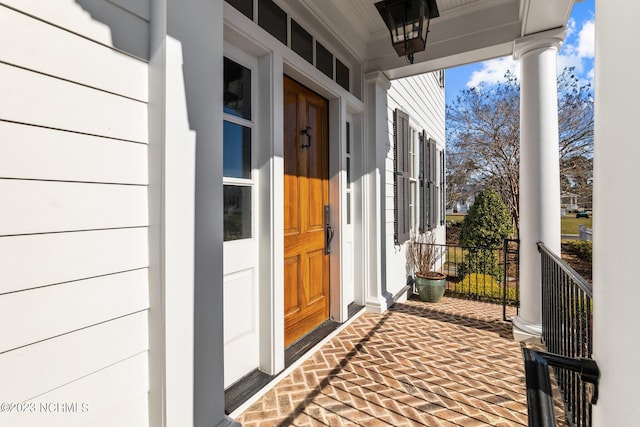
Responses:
[577,51]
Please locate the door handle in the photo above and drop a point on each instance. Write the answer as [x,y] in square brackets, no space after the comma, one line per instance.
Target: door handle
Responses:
[306,132]
[328,230]
[328,237]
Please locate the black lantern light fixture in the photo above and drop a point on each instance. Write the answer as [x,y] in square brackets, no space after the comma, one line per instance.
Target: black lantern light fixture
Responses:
[405,20]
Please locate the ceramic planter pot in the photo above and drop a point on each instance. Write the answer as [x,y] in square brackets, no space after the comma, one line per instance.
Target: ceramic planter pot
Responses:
[431,289]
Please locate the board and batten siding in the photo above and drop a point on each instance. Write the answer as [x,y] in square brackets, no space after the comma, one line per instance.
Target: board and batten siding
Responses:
[74,254]
[423,99]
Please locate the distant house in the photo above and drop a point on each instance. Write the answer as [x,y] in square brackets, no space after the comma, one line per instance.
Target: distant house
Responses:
[464,205]
[569,202]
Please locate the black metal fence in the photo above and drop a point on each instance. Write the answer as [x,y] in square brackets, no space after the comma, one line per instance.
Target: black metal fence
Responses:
[567,308]
[482,273]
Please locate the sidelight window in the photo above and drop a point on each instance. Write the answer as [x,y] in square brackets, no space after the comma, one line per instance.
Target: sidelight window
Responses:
[237,155]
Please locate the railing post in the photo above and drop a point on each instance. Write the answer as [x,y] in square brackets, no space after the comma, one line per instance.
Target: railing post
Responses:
[505,275]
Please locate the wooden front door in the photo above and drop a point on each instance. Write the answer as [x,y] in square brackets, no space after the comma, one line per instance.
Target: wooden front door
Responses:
[306,193]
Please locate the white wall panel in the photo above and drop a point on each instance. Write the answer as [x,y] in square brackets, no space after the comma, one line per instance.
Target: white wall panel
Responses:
[43,259]
[29,97]
[46,312]
[133,413]
[49,206]
[36,369]
[98,20]
[73,137]
[423,99]
[39,153]
[102,393]
[36,45]
[241,345]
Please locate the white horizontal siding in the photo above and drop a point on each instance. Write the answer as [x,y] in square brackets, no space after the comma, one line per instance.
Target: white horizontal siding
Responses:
[31,261]
[59,309]
[74,219]
[40,368]
[33,44]
[103,392]
[98,20]
[423,99]
[29,97]
[50,206]
[32,152]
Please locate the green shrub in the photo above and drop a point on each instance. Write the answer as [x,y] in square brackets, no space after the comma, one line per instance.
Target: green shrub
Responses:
[486,225]
[483,286]
[488,222]
[582,249]
[481,261]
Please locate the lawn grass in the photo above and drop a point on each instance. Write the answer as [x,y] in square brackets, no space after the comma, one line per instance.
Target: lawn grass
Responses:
[455,217]
[570,224]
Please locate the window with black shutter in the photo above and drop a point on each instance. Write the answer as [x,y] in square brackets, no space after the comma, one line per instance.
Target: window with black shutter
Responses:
[401,170]
[428,184]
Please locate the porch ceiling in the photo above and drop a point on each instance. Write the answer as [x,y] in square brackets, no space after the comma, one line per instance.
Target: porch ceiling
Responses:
[466,31]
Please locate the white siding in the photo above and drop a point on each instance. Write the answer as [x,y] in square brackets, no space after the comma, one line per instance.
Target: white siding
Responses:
[423,99]
[74,218]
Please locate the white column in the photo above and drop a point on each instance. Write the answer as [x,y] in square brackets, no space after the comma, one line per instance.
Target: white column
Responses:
[376,140]
[616,234]
[171,232]
[539,171]
[186,318]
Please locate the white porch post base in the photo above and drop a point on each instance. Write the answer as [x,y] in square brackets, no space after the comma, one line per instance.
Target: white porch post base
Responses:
[526,332]
[376,305]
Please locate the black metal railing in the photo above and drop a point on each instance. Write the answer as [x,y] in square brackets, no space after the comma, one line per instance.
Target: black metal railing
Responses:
[481,273]
[540,403]
[567,307]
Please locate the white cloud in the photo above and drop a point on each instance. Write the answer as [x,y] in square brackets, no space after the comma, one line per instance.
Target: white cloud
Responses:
[578,52]
[586,40]
[493,71]
[579,49]
[571,27]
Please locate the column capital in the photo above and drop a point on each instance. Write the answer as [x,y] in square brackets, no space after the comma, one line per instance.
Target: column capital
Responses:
[378,78]
[551,39]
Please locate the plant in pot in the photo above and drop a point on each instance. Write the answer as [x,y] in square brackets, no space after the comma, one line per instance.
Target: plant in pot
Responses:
[421,257]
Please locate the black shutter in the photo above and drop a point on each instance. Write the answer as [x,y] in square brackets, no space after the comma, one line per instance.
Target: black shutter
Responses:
[423,178]
[401,172]
[433,195]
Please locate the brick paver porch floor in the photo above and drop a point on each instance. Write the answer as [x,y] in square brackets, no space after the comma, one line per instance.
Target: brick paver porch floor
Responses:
[448,364]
